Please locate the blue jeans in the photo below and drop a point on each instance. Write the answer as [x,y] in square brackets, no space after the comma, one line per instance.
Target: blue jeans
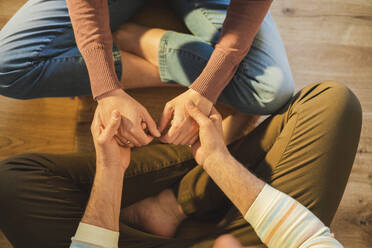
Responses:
[39,56]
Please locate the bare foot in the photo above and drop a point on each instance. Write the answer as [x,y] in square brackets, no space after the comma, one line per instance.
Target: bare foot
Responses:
[160,215]
[227,241]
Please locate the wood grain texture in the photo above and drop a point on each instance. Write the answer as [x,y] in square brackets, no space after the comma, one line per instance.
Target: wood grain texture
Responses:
[332,40]
[325,40]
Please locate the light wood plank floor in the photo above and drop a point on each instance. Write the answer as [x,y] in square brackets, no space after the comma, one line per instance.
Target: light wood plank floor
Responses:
[325,40]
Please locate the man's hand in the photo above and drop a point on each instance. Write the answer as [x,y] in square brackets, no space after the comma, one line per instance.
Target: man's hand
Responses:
[211,143]
[109,153]
[134,119]
[183,130]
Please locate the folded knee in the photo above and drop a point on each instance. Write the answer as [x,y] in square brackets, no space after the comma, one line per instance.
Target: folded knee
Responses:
[16,174]
[340,99]
[264,94]
[277,89]
[14,69]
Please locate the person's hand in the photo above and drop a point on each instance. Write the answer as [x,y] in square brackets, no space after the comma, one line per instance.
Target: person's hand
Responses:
[183,130]
[134,119]
[109,153]
[211,143]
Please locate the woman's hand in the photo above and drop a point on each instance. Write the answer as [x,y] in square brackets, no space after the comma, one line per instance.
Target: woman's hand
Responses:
[109,153]
[183,130]
[134,119]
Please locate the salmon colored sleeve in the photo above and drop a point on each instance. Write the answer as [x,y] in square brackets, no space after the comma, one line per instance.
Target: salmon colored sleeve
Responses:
[91,24]
[243,20]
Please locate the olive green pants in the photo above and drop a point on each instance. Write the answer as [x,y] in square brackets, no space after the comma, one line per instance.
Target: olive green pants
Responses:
[306,150]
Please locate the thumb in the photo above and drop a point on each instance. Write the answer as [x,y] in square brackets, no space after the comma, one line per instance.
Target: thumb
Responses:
[151,125]
[195,113]
[112,126]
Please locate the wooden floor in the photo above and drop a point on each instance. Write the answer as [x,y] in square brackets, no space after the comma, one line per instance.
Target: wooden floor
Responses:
[325,40]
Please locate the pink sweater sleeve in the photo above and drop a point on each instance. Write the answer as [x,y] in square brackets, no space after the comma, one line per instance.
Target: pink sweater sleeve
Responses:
[91,24]
[243,20]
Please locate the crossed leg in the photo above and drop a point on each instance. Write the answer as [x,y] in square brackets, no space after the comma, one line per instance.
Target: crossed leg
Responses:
[297,151]
[306,150]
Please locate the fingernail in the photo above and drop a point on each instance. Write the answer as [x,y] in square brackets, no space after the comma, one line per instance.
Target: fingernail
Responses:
[158,133]
[115,115]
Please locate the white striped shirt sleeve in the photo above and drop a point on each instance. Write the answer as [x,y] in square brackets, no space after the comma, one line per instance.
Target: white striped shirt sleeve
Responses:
[281,221]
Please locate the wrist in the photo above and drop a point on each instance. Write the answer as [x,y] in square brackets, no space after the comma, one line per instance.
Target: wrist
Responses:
[218,158]
[114,92]
[104,204]
[199,97]
[110,173]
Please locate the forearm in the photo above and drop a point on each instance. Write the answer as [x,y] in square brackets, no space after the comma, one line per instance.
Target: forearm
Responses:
[103,208]
[90,21]
[99,226]
[243,20]
[278,219]
[239,185]
[281,221]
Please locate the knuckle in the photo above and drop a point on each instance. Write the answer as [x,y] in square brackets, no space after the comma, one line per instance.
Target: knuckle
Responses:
[101,141]
[132,130]
[124,133]
[168,105]
[176,125]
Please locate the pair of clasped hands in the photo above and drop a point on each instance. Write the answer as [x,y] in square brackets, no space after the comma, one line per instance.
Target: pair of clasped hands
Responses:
[205,137]
[137,126]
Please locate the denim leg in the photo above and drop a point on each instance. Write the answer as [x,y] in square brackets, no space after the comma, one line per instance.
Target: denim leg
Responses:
[38,52]
[263,82]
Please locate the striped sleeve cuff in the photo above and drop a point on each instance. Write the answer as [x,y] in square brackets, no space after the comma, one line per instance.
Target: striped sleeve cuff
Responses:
[281,221]
[90,236]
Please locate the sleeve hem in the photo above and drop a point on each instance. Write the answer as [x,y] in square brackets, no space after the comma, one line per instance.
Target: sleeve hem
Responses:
[263,202]
[98,236]
[101,69]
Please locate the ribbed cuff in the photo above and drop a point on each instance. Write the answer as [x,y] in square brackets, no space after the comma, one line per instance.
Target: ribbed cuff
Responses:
[216,75]
[102,74]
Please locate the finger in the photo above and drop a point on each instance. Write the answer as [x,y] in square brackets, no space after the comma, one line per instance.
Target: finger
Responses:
[123,142]
[217,121]
[214,111]
[119,140]
[189,130]
[195,133]
[192,139]
[151,125]
[144,126]
[141,136]
[113,125]
[126,134]
[181,137]
[95,127]
[174,131]
[133,141]
[165,117]
[195,113]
